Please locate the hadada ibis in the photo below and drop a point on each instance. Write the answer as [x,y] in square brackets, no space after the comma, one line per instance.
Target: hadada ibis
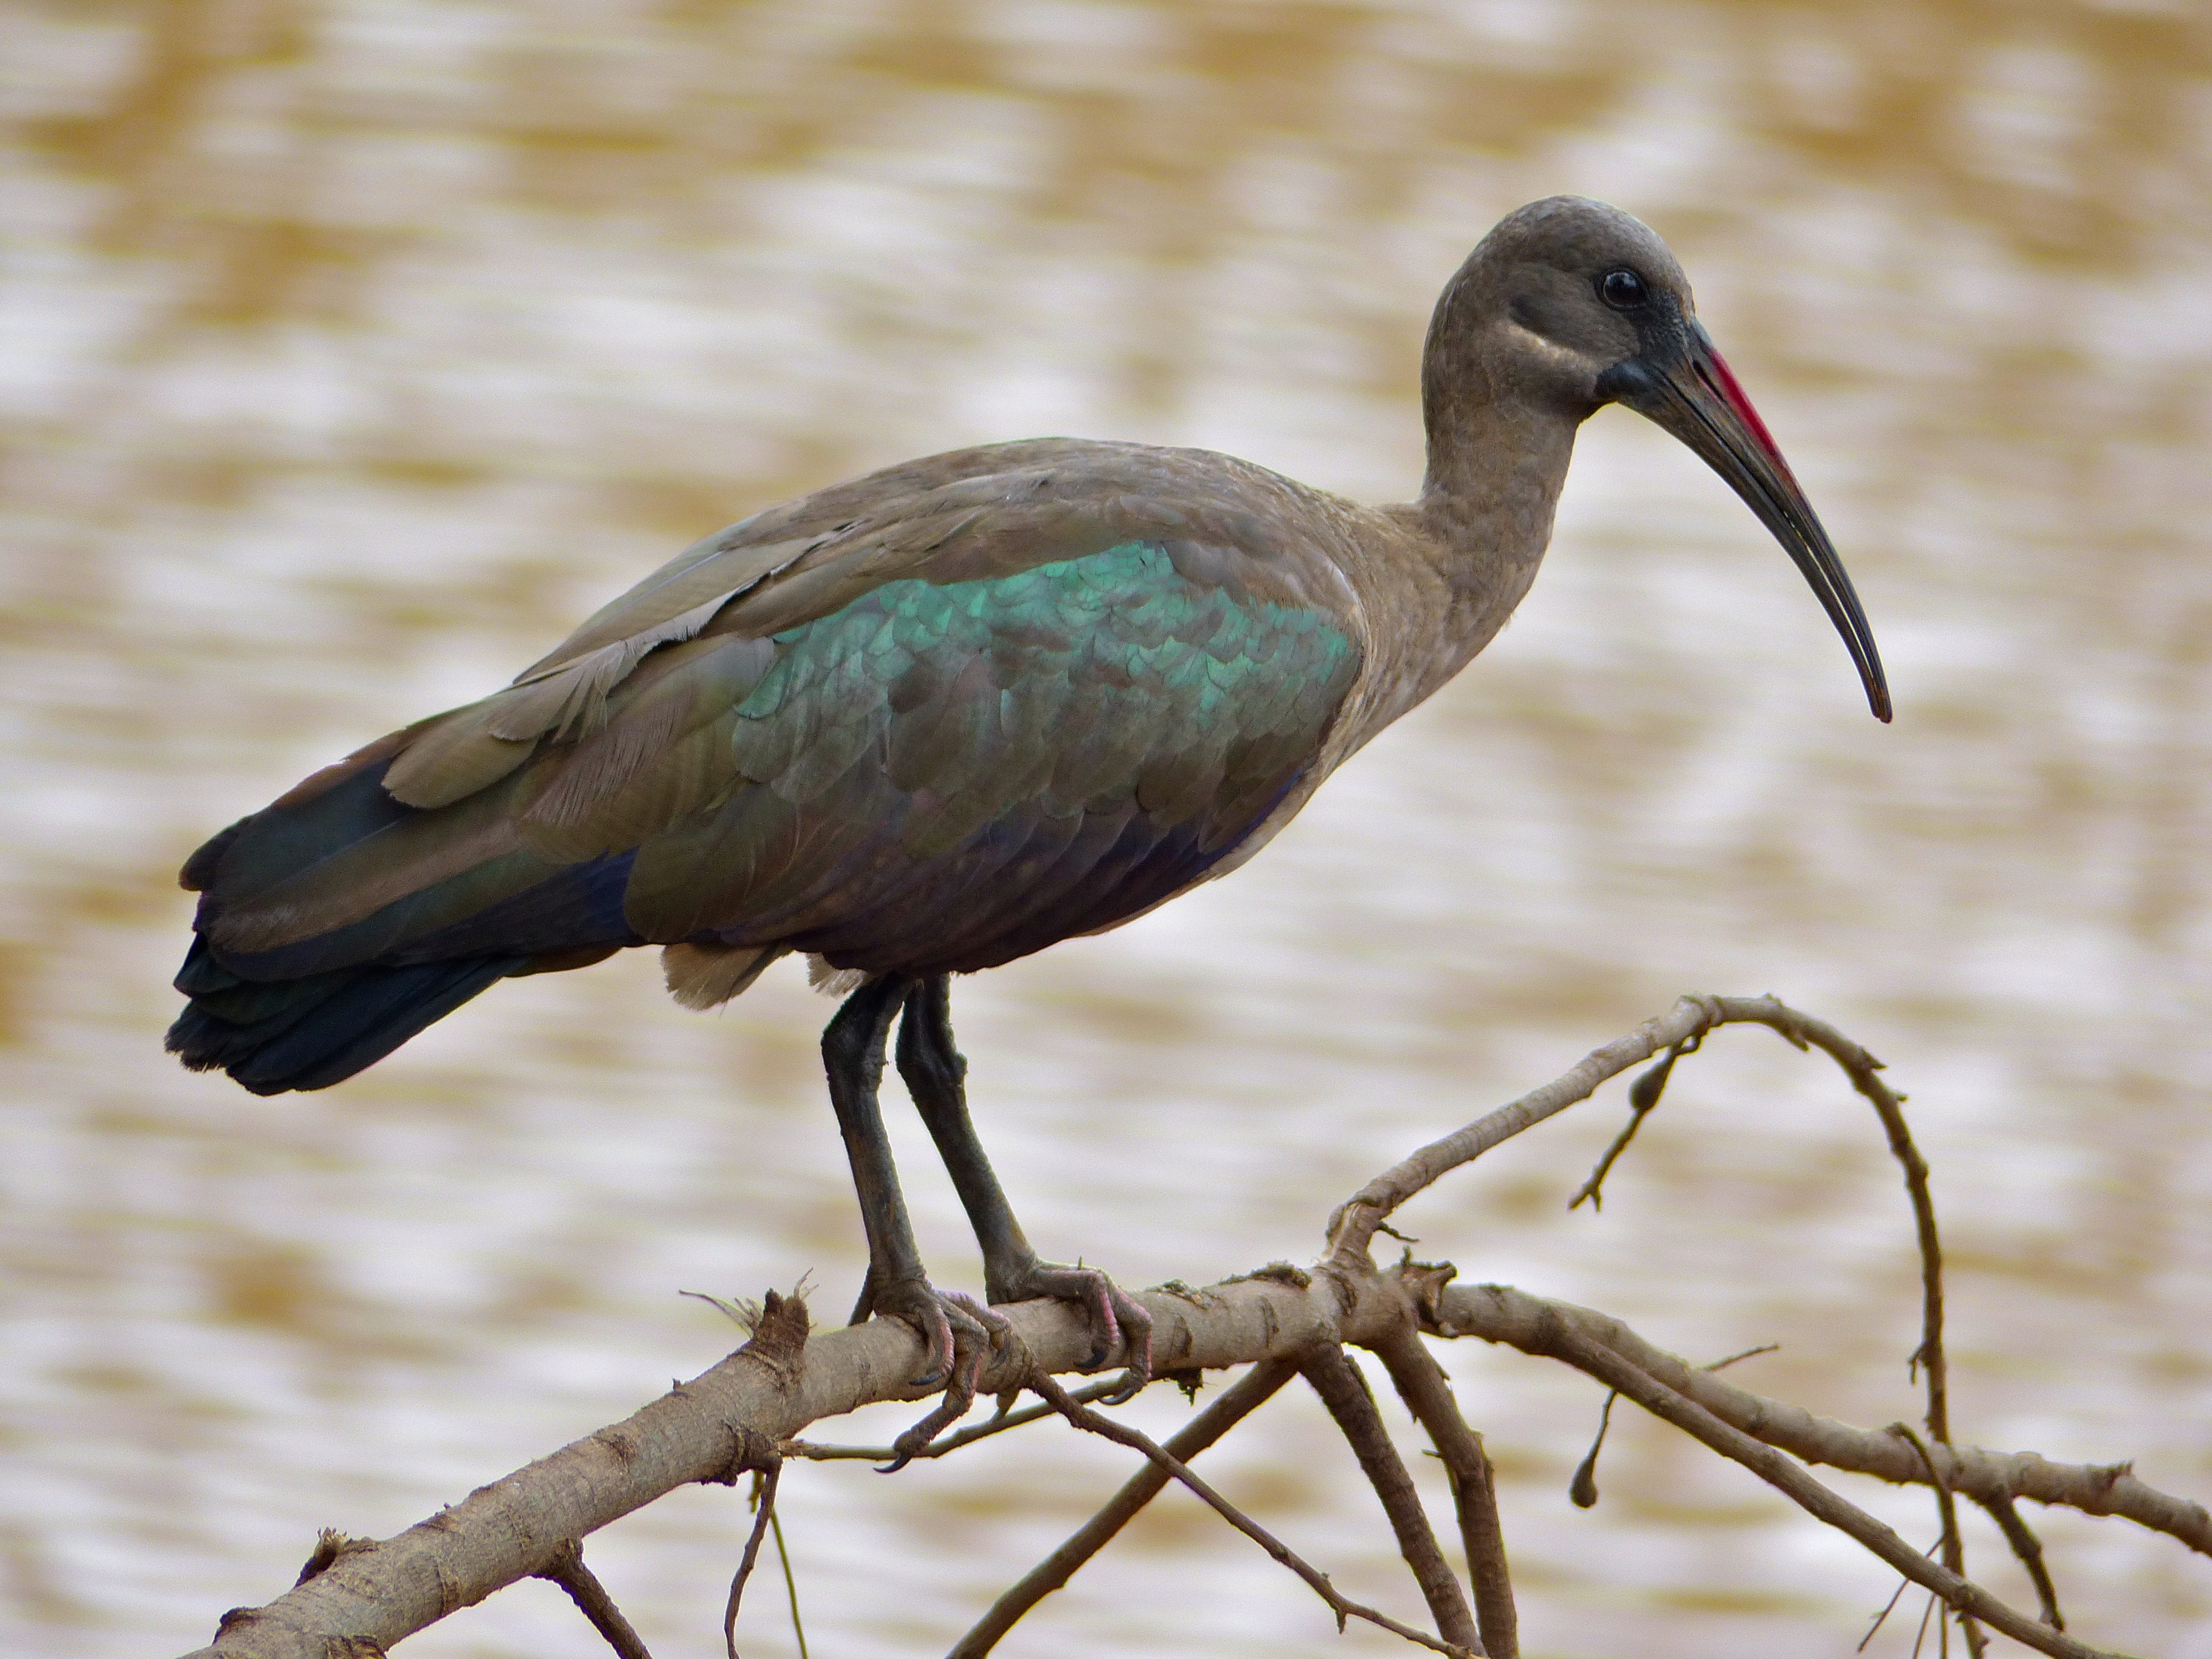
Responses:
[944,715]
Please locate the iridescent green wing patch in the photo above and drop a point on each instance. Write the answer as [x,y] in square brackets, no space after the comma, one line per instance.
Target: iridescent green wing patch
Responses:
[911,761]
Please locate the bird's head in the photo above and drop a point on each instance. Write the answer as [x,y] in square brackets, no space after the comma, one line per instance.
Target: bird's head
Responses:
[1569,305]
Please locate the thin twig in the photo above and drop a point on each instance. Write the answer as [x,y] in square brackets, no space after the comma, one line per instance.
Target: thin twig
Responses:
[2029,1548]
[1581,1489]
[1864,1071]
[1352,1229]
[1920,1636]
[1742,1354]
[1084,1418]
[1238,1401]
[764,1481]
[1344,1390]
[1954,1546]
[1890,1605]
[1422,1384]
[1643,1095]
[790,1581]
[999,1423]
[565,1568]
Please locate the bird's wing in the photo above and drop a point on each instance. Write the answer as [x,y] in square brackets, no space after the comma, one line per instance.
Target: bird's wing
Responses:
[956,723]
[564,693]
[945,776]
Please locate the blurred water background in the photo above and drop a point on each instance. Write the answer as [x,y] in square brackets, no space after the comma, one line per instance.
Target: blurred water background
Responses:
[349,352]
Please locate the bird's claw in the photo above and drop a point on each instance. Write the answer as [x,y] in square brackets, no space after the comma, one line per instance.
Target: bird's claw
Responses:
[1118,1320]
[956,1332]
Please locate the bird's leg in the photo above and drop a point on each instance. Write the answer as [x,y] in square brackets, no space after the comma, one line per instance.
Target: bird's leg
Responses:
[954,1329]
[935,1074]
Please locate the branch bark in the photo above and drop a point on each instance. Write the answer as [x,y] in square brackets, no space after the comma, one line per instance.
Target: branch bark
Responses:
[722,1423]
[566,1569]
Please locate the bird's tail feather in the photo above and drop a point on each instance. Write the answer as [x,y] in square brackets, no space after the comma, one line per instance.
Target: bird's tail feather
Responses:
[312,1032]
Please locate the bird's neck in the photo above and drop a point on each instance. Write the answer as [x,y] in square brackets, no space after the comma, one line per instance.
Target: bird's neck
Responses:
[1495,468]
[1460,557]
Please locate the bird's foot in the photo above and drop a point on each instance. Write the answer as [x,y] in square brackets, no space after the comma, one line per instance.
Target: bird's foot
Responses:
[956,1332]
[1118,1320]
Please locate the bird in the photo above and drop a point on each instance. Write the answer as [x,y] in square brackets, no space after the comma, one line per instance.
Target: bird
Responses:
[938,718]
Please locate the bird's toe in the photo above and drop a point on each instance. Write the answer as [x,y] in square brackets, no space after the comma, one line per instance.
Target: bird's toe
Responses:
[957,1333]
[1119,1321]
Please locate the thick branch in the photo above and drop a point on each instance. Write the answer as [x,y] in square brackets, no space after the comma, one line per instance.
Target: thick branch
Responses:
[728,1419]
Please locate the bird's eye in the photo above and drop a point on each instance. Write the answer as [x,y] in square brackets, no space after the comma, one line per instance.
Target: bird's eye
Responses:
[1622,289]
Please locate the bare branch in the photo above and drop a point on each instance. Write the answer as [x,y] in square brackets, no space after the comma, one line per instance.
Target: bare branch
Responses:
[1498,1313]
[1809,1494]
[736,1413]
[2029,1548]
[361,1595]
[566,1569]
[1953,1545]
[1864,1071]
[1581,1486]
[1643,1096]
[1083,1417]
[790,1581]
[1345,1392]
[1352,1229]
[999,1423]
[727,1420]
[1581,1489]
[1890,1607]
[1254,1388]
[764,1483]
[1421,1383]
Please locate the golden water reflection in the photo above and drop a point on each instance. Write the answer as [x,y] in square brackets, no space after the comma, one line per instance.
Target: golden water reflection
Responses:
[353,351]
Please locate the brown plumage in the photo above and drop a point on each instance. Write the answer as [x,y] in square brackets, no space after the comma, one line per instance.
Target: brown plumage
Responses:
[947,715]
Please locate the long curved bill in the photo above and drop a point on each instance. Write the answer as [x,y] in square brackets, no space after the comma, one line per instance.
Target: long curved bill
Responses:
[1687,389]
